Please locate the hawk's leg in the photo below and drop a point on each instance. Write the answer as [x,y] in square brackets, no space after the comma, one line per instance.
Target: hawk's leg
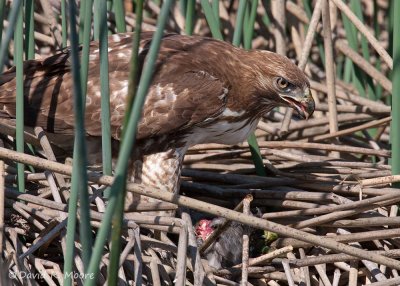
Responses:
[158,171]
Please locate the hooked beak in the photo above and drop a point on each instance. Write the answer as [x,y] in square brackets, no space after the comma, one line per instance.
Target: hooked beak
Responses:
[303,103]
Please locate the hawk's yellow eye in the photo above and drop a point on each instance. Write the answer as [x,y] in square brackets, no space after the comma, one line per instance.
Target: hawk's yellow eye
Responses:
[282,83]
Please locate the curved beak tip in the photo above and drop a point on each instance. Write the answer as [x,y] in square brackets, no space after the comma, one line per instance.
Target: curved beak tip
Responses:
[304,105]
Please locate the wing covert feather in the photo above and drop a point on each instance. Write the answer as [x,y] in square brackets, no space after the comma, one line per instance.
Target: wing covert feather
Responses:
[193,99]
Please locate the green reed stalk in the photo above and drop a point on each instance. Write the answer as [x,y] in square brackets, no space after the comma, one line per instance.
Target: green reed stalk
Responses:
[190,17]
[12,20]
[2,9]
[215,8]
[248,27]
[127,144]
[357,76]
[29,45]
[395,126]
[19,64]
[29,30]
[82,13]
[134,68]
[79,175]
[356,7]
[64,24]
[87,27]
[101,8]
[377,31]
[237,35]
[119,15]
[211,20]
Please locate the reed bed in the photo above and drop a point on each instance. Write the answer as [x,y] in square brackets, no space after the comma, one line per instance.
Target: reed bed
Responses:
[317,186]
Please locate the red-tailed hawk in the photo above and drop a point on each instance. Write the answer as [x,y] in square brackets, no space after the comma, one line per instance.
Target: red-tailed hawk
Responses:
[203,91]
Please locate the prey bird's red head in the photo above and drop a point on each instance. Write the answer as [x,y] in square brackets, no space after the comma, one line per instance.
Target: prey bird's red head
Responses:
[203,229]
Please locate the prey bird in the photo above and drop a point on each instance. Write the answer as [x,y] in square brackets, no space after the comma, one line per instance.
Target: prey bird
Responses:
[203,91]
[226,250]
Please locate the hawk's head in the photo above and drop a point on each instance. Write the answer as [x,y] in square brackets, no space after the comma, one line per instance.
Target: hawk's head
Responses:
[279,81]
